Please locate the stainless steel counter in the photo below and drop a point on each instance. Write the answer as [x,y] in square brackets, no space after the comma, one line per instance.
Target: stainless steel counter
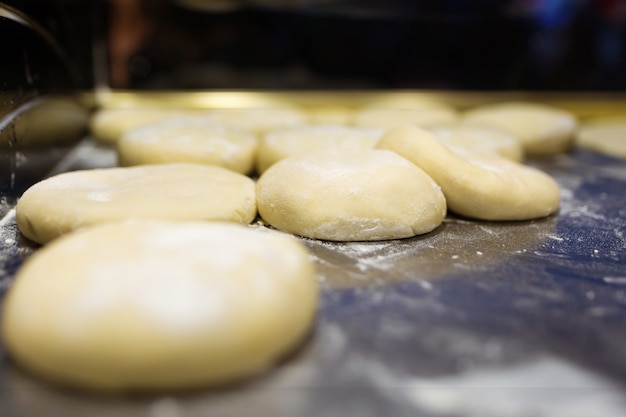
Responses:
[474,319]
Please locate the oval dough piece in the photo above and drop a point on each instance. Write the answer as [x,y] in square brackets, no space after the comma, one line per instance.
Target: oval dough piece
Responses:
[108,125]
[604,135]
[466,140]
[139,306]
[541,129]
[350,195]
[482,187]
[281,143]
[186,139]
[68,201]
[384,118]
[260,120]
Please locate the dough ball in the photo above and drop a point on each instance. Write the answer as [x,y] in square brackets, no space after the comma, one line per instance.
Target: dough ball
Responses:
[479,186]
[258,121]
[350,195]
[68,201]
[108,125]
[389,118]
[465,139]
[330,115]
[186,139]
[604,135]
[140,306]
[402,101]
[288,141]
[541,129]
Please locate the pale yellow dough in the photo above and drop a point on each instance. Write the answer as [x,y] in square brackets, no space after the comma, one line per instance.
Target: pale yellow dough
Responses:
[350,195]
[387,118]
[464,139]
[482,187]
[258,120]
[72,200]
[330,114]
[541,129]
[604,135]
[144,306]
[281,143]
[187,139]
[108,125]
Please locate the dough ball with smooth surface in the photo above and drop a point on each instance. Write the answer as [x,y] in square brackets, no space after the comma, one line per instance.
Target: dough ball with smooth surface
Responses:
[541,129]
[282,143]
[384,118]
[186,139]
[466,139]
[604,135]
[482,187]
[144,306]
[65,202]
[108,125]
[350,195]
[258,120]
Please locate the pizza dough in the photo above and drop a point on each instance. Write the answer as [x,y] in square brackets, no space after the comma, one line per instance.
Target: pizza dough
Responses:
[464,140]
[140,306]
[604,135]
[541,129]
[285,142]
[258,120]
[186,139]
[384,118]
[350,195]
[108,125]
[482,187]
[68,201]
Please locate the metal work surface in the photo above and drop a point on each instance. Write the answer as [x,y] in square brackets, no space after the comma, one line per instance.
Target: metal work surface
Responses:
[474,319]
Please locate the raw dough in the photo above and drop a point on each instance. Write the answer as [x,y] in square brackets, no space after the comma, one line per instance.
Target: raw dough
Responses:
[259,120]
[541,129]
[285,142]
[186,139]
[350,195]
[604,135]
[108,125]
[331,115]
[482,187]
[464,139]
[388,118]
[68,201]
[138,306]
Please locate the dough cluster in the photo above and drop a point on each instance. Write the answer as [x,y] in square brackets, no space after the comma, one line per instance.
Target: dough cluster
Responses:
[145,306]
[350,195]
[66,202]
[604,135]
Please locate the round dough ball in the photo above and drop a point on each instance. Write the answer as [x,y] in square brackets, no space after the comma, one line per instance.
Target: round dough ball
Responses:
[281,143]
[384,118]
[258,121]
[541,129]
[604,135]
[483,187]
[185,139]
[68,201]
[350,195]
[108,125]
[140,306]
[465,139]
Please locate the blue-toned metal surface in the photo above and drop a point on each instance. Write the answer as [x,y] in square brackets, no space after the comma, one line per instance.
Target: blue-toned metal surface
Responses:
[474,319]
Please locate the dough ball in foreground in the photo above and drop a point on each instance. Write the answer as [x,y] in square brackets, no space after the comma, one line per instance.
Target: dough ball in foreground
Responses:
[281,143]
[350,195]
[468,140]
[187,139]
[541,129]
[68,201]
[108,125]
[142,306]
[483,187]
[604,135]
[384,118]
